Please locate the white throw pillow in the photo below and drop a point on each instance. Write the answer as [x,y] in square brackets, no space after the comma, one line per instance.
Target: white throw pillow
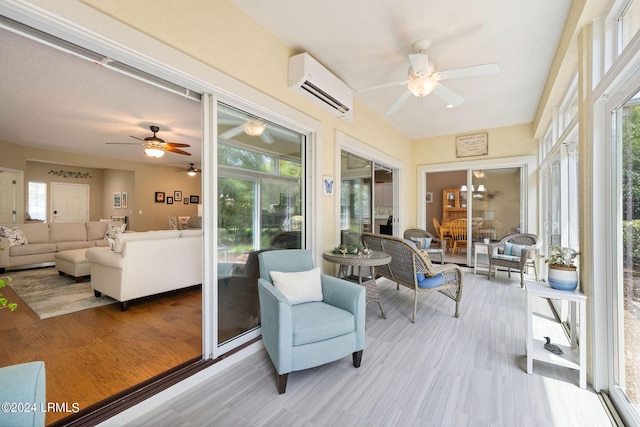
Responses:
[14,234]
[299,287]
[113,230]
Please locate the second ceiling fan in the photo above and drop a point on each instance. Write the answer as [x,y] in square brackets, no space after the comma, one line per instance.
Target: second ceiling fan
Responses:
[423,79]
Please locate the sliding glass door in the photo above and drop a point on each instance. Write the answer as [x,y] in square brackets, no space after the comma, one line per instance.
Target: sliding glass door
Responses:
[260,207]
[625,381]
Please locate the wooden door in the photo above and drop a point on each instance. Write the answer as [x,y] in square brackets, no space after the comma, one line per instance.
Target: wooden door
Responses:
[8,193]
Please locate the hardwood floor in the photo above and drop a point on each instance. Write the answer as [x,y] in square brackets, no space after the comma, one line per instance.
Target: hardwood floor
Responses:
[440,371]
[92,354]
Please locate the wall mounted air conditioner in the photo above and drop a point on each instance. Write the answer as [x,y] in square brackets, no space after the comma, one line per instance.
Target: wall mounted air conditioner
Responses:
[309,78]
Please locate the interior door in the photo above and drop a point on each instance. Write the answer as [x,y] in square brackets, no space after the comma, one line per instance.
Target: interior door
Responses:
[8,184]
[69,202]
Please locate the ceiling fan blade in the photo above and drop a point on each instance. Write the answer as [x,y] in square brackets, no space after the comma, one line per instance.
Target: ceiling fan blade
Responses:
[399,103]
[232,132]
[266,137]
[227,122]
[450,97]
[419,63]
[176,144]
[124,143]
[476,70]
[135,137]
[383,85]
[176,150]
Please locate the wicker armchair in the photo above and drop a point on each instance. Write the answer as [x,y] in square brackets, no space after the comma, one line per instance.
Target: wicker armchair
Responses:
[419,233]
[516,251]
[412,268]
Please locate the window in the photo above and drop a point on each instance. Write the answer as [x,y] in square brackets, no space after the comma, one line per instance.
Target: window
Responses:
[628,23]
[37,207]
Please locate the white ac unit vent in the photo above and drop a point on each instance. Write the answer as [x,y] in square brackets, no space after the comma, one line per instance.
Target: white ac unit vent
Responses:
[309,78]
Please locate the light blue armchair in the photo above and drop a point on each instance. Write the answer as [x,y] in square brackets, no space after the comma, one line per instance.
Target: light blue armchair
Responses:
[310,334]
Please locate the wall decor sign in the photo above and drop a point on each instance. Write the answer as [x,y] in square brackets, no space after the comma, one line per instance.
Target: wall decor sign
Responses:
[159,197]
[70,174]
[472,145]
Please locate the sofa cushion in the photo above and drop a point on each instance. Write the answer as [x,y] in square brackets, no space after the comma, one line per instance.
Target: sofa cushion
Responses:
[113,230]
[14,234]
[32,249]
[317,321]
[79,244]
[67,231]
[191,233]
[298,287]
[37,232]
[97,229]
[123,238]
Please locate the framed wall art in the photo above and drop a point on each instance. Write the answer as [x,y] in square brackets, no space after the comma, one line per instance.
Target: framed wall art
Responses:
[472,145]
[117,200]
[125,201]
[177,196]
[159,197]
[169,200]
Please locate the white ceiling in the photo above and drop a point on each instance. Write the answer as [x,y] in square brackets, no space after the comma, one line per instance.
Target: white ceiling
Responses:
[366,43]
[55,100]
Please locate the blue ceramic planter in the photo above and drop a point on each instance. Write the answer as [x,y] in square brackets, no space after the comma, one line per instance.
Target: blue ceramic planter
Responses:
[563,279]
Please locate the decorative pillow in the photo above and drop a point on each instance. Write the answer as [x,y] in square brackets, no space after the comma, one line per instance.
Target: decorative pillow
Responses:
[113,230]
[425,242]
[428,266]
[513,249]
[14,234]
[299,287]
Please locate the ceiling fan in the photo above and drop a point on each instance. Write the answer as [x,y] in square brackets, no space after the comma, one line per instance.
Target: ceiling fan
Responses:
[192,171]
[154,146]
[423,79]
[251,127]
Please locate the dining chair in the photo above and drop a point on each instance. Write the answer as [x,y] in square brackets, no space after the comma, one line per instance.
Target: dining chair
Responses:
[173,223]
[459,233]
[441,236]
[183,222]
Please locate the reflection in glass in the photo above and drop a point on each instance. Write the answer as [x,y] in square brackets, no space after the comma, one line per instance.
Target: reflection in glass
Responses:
[496,203]
[260,207]
[355,197]
[628,289]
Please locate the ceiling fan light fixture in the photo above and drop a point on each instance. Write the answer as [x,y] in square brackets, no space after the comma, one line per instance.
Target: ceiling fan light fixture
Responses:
[154,152]
[421,85]
[191,171]
[254,128]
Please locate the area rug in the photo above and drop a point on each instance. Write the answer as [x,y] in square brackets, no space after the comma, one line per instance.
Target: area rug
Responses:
[49,295]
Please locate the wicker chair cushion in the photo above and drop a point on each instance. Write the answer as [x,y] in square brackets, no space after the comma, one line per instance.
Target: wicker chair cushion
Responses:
[513,258]
[429,282]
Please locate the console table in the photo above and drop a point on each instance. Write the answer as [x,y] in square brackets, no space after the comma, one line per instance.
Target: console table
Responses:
[371,260]
[575,355]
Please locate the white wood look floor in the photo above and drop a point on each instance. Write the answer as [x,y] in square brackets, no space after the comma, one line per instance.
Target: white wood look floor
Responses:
[440,371]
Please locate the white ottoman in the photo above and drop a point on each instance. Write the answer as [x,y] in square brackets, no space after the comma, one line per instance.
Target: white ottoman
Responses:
[73,263]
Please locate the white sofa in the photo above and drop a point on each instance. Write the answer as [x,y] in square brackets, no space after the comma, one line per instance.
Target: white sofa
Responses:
[148,263]
[44,240]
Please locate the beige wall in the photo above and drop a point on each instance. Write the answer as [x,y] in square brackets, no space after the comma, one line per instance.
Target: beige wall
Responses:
[139,180]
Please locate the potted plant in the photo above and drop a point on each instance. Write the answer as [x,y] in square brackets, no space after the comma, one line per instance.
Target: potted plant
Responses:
[4,302]
[563,274]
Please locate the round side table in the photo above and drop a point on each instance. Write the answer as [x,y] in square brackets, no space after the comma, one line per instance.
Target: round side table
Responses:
[371,260]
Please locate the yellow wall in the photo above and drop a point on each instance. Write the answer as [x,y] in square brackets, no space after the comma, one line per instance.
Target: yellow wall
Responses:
[509,141]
